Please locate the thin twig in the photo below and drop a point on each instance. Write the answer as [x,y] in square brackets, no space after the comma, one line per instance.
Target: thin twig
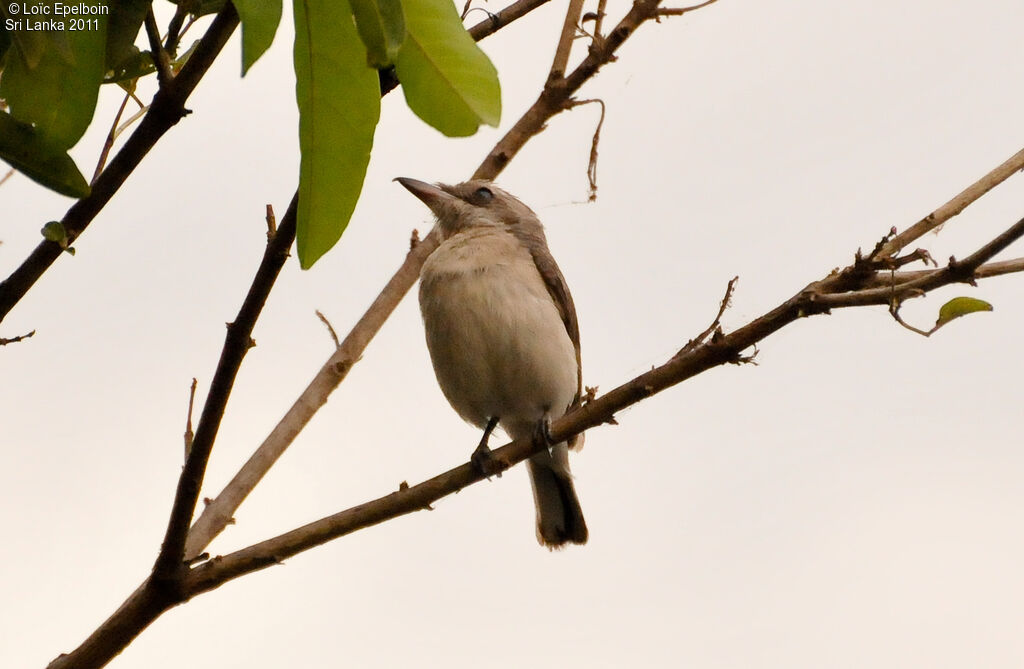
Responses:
[592,162]
[271,222]
[956,205]
[330,328]
[109,143]
[599,17]
[557,92]
[964,271]
[174,28]
[189,435]
[565,40]
[679,11]
[496,22]
[156,48]
[716,323]
[13,340]
[986,271]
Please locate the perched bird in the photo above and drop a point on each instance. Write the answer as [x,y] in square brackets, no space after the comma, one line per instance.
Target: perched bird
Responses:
[502,333]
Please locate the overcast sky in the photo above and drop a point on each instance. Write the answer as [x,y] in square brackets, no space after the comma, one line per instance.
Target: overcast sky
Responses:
[852,501]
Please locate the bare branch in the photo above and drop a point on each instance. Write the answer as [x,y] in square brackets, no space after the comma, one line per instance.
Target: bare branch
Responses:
[956,271]
[174,27]
[679,11]
[108,144]
[565,40]
[189,434]
[156,49]
[496,22]
[330,328]
[14,340]
[557,92]
[986,271]
[716,323]
[592,162]
[947,211]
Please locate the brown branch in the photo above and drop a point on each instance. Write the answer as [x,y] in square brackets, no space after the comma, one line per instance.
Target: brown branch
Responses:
[330,328]
[108,144]
[565,40]
[237,343]
[174,28]
[986,271]
[947,211]
[599,17]
[14,340]
[963,271]
[557,92]
[496,22]
[594,142]
[716,323]
[165,588]
[160,57]
[167,109]
[679,11]
[189,434]
[218,514]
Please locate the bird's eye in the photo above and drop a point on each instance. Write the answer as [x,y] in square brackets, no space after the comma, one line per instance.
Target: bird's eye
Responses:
[483,195]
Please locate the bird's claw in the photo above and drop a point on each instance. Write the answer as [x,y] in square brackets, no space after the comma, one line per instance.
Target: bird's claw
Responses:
[542,435]
[484,462]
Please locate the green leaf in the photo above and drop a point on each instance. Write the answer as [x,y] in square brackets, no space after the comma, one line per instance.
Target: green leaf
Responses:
[339,106]
[137,64]
[201,7]
[5,37]
[447,80]
[123,27]
[260,19]
[959,306]
[51,78]
[26,149]
[381,26]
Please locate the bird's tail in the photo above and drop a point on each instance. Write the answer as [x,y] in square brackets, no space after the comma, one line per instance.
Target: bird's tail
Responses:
[559,516]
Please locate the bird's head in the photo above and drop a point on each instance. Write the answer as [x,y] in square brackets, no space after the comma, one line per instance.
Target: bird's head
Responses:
[470,204]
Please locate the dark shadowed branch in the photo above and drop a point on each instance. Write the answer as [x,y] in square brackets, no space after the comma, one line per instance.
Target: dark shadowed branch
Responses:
[164,587]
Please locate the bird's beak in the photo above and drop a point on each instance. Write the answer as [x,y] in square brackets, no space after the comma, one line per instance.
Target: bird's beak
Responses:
[431,195]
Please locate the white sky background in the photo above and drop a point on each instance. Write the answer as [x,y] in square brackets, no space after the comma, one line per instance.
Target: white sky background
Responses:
[853,501]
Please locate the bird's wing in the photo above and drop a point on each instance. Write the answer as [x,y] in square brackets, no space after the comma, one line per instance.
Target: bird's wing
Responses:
[533,239]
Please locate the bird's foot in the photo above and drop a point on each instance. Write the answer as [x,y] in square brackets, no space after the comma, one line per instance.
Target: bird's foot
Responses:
[482,460]
[485,462]
[542,434]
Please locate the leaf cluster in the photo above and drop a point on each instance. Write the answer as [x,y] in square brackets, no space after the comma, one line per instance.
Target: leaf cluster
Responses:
[51,79]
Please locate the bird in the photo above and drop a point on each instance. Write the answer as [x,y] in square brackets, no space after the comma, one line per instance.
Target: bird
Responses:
[503,336]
